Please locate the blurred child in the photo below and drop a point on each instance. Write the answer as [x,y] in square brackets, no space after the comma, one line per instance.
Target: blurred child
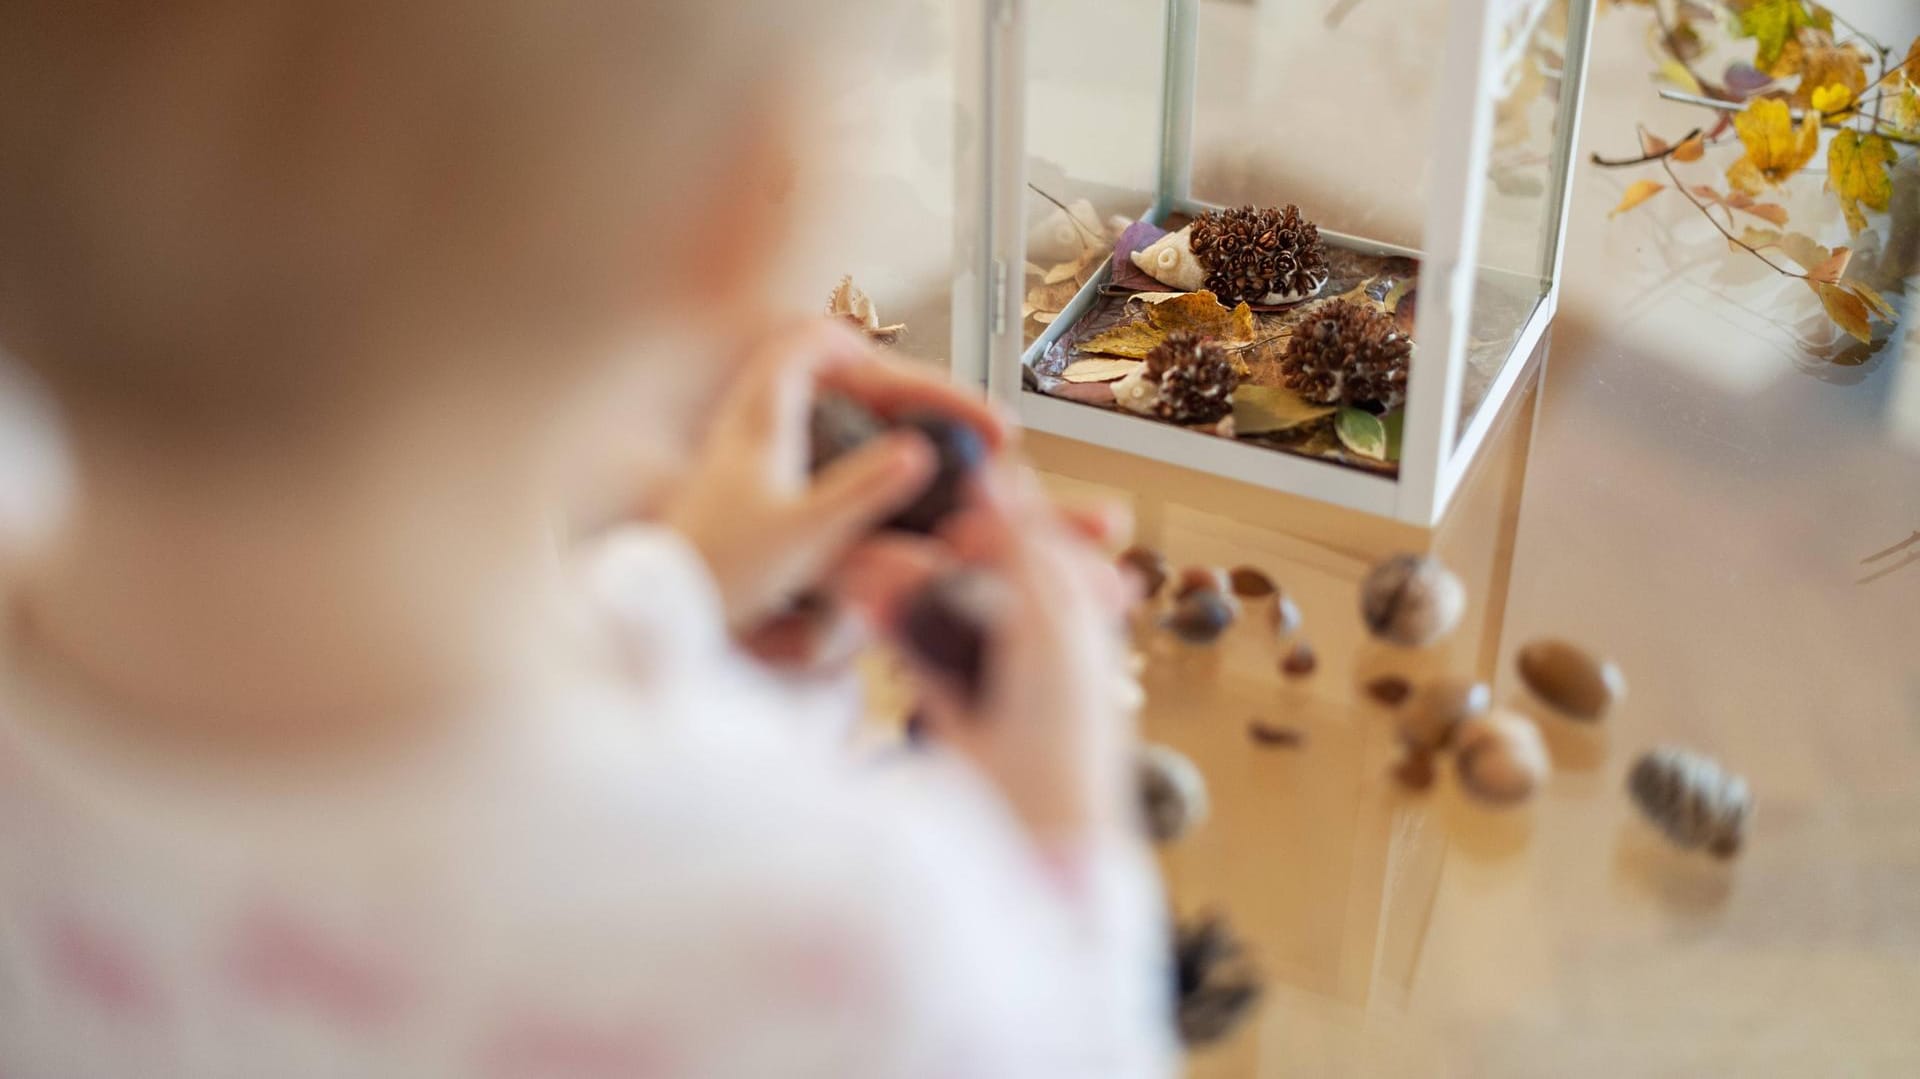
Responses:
[327,745]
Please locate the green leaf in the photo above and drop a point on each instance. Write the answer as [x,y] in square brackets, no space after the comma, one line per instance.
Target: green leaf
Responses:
[1396,425]
[1362,432]
[1772,22]
[1263,410]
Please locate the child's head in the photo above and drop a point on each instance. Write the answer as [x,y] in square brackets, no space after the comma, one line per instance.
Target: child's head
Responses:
[248,214]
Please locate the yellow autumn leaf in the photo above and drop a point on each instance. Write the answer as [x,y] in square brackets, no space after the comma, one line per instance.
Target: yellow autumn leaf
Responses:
[1775,148]
[1830,271]
[1676,73]
[1638,192]
[1832,98]
[1858,170]
[1774,24]
[1872,298]
[1195,312]
[1690,149]
[1904,92]
[1823,65]
[1848,311]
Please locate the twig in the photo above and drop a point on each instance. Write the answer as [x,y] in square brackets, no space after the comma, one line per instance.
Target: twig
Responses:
[1834,120]
[1893,550]
[1673,48]
[1912,559]
[1731,238]
[1872,42]
[1616,163]
[1077,223]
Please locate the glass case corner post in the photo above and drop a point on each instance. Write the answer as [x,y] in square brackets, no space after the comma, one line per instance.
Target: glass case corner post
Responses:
[990,173]
[1462,130]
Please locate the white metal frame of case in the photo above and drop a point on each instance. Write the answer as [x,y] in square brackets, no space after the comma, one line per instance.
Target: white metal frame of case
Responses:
[991,156]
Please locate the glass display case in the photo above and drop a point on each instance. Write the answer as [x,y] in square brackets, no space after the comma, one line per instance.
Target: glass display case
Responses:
[1309,246]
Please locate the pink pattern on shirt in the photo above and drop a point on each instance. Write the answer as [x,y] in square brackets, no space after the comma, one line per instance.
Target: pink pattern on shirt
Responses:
[536,1046]
[100,968]
[280,959]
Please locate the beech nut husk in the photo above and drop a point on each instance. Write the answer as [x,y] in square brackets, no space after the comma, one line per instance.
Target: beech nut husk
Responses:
[1500,758]
[1411,600]
[1173,793]
[1571,680]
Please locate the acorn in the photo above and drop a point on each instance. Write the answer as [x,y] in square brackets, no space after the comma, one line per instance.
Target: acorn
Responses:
[1416,770]
[1436,710]
[839,425]
[1251,583]
[1500,758]
[1692,800]
[1571,680]
[1201,616]
[1150,565]
[1173,793]
[1299,661]
[1391,690]
[946,624]
[1412,600]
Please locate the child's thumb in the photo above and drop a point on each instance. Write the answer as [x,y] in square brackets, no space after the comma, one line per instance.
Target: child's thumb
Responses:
[857,492]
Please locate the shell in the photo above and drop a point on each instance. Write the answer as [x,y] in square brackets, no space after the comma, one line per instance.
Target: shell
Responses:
[1691,799]
[1170,261]
[1173,793]
[1501,758]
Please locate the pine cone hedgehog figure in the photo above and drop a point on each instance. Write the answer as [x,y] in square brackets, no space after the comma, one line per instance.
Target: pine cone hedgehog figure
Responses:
[1347,353]
[1264,256]
[1196,379]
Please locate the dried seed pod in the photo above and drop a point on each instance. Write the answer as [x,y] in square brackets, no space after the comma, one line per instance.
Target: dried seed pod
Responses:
[1412,600]
[947,623]
[1201,616]
[1215,985]
[1501,758]
[1275,734]
[1436,710]
[1149,564]
[1390,689]
[1299,661]
[1690,798]
[1571,680]
[1194,578]
[1173,793]
[1251,583]
[1285,616]
[1415,771]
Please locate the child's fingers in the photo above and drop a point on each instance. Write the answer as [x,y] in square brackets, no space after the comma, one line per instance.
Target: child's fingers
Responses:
[857,492]
[893,389]
[775,390]
[878,576]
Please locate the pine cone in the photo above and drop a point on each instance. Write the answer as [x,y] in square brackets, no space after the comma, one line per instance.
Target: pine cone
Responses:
[1249,253]
[1196,377]
[1345,353]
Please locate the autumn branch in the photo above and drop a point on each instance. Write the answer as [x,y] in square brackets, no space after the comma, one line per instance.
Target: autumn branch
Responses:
[1657,155]
[1711,220]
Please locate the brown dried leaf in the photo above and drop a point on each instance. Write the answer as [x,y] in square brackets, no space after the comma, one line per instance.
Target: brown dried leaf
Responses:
[1261,410]
[1847,310]
[1195,312]
[1823,64]
[1690,149]
[1871,298]
[848,302]
[1099,369]
[1045,302]
[1835,265]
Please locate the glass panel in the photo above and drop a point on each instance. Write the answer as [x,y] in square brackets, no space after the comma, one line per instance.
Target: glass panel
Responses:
[1521,215]
[1093,99]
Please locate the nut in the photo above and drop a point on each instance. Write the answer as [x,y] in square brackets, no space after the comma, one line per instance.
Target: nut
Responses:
[1201,616]
[1412,600]
[1415,772]
[1194,578]
[1436,710]
[946,625]
[1275,734]
[1150,565]
[839,425]
[1173,793]
[1251,583]
[1299,661]
[1694,801]
[1570,680]
[1500,758]
[1390,690]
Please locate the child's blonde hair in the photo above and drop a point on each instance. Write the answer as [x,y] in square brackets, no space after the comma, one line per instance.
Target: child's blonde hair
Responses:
[221,209]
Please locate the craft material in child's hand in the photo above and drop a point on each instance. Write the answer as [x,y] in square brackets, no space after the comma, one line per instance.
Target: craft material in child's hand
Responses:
[948,623]
[840,425]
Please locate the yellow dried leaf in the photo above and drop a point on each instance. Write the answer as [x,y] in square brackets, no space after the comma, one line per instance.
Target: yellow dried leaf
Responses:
[1773,24]
[1260,410]
[1676,73]
[1740,200]
[1046,301]
[1829,271]
[1638,192]
[1848,311]
[1858,170]
[1832,98]
[1775,148]
[1099,369]
[1824,66]
[1872,298]
[1802,249]
[1690,149]
[1759,238]
[1195,312]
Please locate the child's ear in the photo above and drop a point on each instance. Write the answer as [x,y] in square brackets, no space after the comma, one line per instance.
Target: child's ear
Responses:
[737,229]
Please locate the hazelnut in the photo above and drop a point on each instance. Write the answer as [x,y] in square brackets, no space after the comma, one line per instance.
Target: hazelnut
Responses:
[1201,616]
[1389,689]
[947,622]
[1570,680]
[1151,567]
[1435,711]
[1299,661]
[1251,583]
[1195,578]
[1412,600]
[1500,758]
[1173,793]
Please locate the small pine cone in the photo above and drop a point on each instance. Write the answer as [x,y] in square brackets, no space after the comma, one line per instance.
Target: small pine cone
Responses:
[1250,253]
[1196,377]
[1692,799]
[1345,353]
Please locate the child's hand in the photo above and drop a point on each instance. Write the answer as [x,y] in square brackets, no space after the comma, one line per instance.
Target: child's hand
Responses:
[767,529]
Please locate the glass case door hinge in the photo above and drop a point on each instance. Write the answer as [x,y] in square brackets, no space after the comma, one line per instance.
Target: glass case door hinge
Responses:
[999,297]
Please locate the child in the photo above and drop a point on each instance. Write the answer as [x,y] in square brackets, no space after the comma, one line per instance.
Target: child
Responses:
[328,746]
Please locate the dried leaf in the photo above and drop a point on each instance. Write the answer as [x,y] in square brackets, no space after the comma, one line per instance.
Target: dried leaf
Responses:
[1830,270]
[1872,298]
[1772,23]
[1847,310]
[848,302]
[1775,148]
[1744,80]
[1261,410]
[1802,249]
[1690,149]
[1832,98]
[1904,92]
[1858,170]
[1637,192]
[1651,144]
[1075,269]
[1396,425]
[1822,64]
[1153,297]
[1099,369]
[1196,312]
[1676,73]
[1759,238]
[1362,432]
[1740,200]
[1045,302]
